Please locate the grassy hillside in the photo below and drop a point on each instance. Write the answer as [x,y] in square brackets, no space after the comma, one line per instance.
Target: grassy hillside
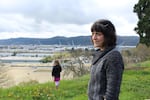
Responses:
[135,86]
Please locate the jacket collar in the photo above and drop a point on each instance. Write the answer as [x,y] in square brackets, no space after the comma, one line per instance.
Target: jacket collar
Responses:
[98,54]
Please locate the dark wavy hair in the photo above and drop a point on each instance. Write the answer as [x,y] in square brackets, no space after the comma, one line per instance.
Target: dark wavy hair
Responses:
[56,62]
[107,29]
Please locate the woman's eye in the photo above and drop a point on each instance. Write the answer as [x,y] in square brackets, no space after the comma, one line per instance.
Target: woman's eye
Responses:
[98,33]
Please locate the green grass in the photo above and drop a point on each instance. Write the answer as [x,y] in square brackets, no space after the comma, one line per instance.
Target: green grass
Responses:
[143,64]
[68,90]
[135,86]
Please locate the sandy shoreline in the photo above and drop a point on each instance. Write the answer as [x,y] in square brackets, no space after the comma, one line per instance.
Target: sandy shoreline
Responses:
[17,73]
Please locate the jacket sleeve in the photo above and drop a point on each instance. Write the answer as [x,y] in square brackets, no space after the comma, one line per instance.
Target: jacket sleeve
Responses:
[60,69]
[114,73]
[53,72]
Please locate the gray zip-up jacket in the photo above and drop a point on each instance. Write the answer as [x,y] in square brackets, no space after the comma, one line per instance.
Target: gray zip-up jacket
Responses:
[106,75]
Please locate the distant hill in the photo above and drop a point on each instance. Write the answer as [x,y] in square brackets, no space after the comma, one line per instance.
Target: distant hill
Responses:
[79,40]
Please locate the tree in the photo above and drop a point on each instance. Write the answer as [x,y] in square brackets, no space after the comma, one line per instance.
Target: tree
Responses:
[78,65]
[14,54]
[142,8]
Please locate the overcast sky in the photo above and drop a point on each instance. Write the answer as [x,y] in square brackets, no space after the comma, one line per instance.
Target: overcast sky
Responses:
[49,18]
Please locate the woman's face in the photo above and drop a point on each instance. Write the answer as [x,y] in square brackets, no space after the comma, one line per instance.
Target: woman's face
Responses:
[98,39]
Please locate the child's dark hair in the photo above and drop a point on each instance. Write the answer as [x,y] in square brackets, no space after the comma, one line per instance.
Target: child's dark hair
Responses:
[107,29]
[56,62]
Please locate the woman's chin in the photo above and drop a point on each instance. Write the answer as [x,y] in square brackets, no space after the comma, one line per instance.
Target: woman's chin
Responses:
[96,46]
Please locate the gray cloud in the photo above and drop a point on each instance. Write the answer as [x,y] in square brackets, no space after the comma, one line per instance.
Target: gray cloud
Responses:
[55,11]
[49,15]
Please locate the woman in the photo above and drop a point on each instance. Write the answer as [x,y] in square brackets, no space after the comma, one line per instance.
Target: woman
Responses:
[56,72]
[107,64]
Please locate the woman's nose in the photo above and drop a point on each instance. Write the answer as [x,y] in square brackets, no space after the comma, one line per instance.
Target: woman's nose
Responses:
[94,36]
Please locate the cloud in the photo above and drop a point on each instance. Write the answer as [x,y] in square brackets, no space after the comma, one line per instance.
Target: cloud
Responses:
[48,18]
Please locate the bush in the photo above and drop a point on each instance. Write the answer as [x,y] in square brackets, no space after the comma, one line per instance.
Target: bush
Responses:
[135,55]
